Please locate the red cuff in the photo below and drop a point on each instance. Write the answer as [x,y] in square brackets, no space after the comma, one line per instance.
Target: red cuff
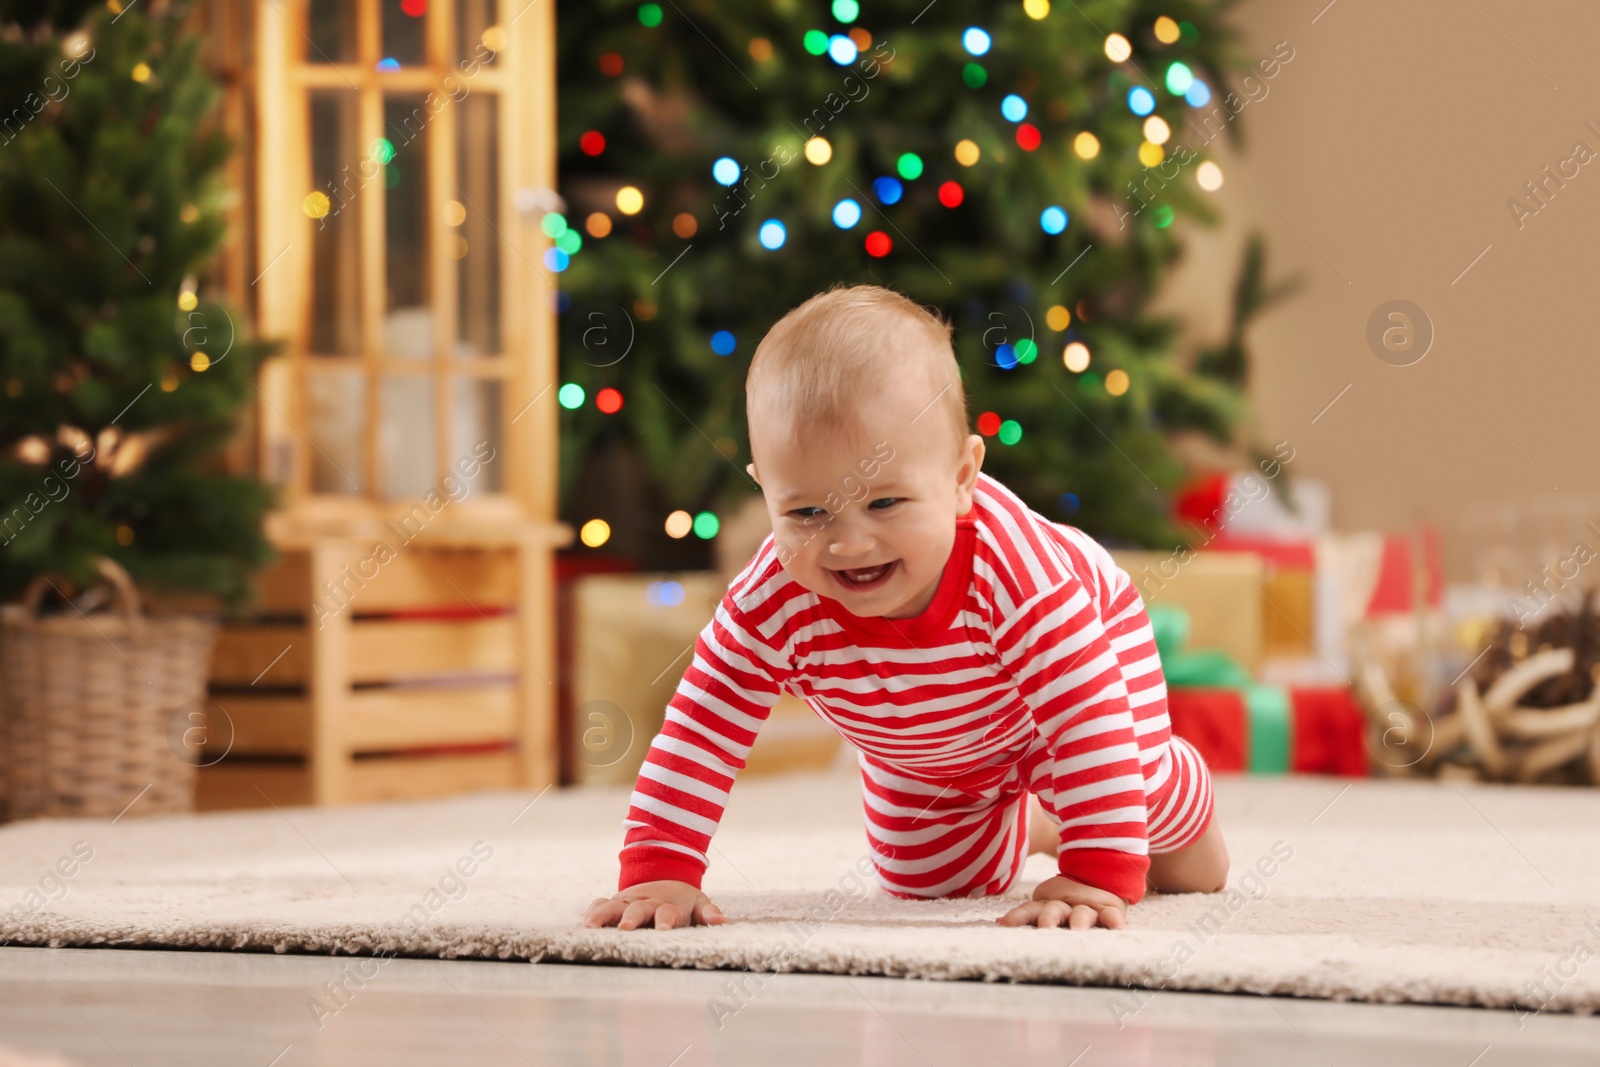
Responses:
[1116,872]
[643,863]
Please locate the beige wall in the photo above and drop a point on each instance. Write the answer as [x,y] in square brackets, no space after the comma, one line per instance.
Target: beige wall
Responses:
[1378,165]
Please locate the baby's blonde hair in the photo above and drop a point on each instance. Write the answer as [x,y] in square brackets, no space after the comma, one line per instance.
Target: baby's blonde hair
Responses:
[824,358]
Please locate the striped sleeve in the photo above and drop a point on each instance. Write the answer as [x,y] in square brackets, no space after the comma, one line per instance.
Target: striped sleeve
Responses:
[711,723]
[1060,656]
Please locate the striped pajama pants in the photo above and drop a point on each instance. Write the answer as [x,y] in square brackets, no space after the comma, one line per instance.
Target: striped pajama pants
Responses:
[929,840]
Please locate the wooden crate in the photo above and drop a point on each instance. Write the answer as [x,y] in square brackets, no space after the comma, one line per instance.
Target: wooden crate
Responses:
[430,674]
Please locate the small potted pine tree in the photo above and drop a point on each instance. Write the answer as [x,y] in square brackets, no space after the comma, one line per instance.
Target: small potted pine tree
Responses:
[120,384]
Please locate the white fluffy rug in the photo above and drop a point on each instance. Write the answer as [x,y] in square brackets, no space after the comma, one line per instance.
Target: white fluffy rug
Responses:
[1378,891]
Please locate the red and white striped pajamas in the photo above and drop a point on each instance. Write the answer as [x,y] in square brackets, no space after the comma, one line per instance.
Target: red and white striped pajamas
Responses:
[1033,670]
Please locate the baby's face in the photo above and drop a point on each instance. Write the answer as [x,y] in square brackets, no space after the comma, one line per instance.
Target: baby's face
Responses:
[868,517]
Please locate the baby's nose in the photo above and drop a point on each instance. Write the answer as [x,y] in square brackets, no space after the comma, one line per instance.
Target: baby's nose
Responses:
[847,544]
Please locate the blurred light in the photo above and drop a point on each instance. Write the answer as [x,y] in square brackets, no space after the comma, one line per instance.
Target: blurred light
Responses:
[1140,100]
[665,594]
[1058,318]
[846,10]
[1209,176]
[569,242]
[316,205]
[388,63]
[679,523]
[974,75]
[951,194]
[609,401]
[455,213]
[592,143]
[818,151]
[1199,94]
[1166,30]
[816,42]
[967,153]
[1027,351]
[595,533]
[1086,144]
[1036,9]
[975,41]
[598,224]
[988,424]
[199,361]
[1156,130]
[1028,137]
[725,170]
[1010,432]
[570,396]
[760,49]
[878,244]
[1014,108]
[706,525]
[1053,220]
[187,301]
[842,50]
[650,14]
[1076,357]
[611,64]
[1118,48]
[888,190]
[141,72]
[554,224]
[723,343]
[1179,79]
[1117,382]
[684,225]
[1163,216]
[772,234]
[1068,504]
[1005,357]
[630,201]
[909,165]
[1151,154]
[846,213]
[556,259]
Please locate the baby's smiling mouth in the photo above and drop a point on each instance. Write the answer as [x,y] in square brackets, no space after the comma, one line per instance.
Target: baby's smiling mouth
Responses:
[865,577]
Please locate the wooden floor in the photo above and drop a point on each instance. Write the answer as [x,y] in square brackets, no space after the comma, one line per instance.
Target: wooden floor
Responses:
[106,1006]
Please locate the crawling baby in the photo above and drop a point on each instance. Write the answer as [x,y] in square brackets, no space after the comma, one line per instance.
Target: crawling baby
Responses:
[995,671]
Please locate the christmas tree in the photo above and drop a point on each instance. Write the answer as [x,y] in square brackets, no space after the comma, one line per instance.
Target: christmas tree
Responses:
[1024,167]
[119,378]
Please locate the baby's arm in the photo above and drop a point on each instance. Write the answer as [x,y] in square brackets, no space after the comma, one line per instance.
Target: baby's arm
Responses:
[682,788]
[1061,658]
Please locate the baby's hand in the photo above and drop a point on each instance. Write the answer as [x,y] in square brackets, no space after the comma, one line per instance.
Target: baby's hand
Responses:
[1081,906]
[669,902]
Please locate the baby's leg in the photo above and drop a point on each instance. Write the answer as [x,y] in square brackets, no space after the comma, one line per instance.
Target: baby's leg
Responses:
[1187,854]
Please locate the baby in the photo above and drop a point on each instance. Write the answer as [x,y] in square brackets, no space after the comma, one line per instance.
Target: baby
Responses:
[974,653]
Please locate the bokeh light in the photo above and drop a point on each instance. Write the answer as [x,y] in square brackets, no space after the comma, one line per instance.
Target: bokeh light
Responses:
[988,424]
[1010,432]
[1151,154]
[595,533]
[1199,94]
[706,525]
[1076,357]
[1166,30]
[1179,79]
[909,166]
[570,396]
[1156,130]
[1117,382]
[609,401]
[818,151]
[888,190]
[1086,144]
[1209,176]
[1058,318]
[1053,220]
[1118,48]
[1036,9]
[772,235]
[1028,137]
[723,343]
[678,524]
[1141,101]
[725,170]
[1014,108]
[951,194]
[846,213]
[975,41]
[878,244]
[630,201]
[842,50]
[967,153]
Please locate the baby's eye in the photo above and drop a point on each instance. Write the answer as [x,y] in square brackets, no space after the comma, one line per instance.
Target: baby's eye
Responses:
[805,513]
[886,502]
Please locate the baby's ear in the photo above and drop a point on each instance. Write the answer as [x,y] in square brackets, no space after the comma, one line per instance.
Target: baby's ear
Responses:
[750,468]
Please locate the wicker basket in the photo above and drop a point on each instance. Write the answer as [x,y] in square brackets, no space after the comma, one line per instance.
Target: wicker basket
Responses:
[88,703]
